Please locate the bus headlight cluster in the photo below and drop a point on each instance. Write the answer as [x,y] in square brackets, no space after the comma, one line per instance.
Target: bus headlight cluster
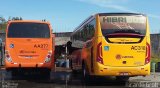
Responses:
[48,58]
[8,57]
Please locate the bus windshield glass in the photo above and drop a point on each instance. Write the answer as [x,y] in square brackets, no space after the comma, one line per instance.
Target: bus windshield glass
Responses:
[28,30]
[135,24]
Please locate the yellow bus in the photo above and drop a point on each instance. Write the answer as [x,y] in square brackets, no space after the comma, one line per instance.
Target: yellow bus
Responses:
[112,44]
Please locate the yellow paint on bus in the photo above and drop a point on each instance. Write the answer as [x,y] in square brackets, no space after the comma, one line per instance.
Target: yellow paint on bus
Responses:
[113,44]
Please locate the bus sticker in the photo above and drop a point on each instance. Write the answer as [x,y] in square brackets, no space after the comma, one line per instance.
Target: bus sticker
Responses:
[11,45]
[106,48]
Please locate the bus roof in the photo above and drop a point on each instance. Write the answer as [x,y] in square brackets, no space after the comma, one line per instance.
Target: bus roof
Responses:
[29,21]
[120,14]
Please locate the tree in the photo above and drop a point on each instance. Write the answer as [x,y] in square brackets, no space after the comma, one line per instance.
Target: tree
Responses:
[3,24]
[16,18]
[2,20]
[20,18]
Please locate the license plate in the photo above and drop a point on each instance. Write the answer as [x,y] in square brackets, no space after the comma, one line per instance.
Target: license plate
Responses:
[123,73]
[28,57]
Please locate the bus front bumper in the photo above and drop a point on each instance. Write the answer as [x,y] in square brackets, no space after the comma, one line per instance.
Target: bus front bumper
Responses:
[102,70]
[28,65]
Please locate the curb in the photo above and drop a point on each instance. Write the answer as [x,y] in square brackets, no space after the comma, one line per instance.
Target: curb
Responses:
[62,69]
[2,67]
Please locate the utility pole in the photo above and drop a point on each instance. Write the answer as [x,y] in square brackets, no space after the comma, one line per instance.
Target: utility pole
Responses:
[1,23]
[66,59]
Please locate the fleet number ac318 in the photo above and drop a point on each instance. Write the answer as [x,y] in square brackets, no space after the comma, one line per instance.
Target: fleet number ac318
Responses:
[138,48]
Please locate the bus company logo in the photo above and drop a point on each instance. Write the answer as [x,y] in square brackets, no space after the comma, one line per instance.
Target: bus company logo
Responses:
[23,51]
[11,45]
[118,56]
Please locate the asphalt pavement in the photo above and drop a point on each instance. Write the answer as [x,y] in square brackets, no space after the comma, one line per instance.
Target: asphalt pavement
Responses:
[64,78]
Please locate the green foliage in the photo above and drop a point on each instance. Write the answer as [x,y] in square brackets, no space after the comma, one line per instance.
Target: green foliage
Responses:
[153,55]
[16,18]
[3,24]
[155,60]
[3,27]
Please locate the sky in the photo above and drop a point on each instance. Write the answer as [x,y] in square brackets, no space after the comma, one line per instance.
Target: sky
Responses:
[66,15]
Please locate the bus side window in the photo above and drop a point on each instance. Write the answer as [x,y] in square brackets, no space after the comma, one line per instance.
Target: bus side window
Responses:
[82,35]
[85,32]
[91,29]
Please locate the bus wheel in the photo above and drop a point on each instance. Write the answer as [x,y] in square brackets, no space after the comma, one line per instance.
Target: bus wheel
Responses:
[122,78]
[85,75]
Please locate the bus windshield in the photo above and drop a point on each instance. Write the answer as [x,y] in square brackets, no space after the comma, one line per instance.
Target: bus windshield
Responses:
[28,30]
[135,24]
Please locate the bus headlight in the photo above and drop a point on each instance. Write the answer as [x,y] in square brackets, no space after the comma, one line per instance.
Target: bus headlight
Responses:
[8,57]
[48,58]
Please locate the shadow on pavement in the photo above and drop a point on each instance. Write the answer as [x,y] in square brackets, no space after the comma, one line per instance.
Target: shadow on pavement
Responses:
[63,79]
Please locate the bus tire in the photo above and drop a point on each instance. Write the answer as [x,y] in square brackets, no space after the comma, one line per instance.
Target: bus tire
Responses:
[85,74]
[122,78]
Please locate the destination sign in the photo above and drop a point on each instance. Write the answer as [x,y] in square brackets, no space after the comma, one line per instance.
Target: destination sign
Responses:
[123,19]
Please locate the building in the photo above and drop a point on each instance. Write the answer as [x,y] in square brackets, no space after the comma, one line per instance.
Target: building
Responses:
[62,39]
[155,45]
